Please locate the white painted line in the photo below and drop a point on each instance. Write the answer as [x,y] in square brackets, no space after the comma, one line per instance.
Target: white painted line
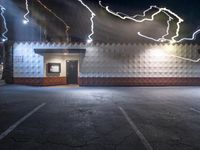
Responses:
[137,131]
[195,110]
[11,128]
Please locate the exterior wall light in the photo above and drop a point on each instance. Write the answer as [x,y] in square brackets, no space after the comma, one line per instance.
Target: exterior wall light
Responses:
[25,22]
[89,41]
[158,54]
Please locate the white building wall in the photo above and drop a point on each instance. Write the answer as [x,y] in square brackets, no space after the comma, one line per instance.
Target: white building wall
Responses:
[140,60]
[29,64]
[26,62]
[114,60]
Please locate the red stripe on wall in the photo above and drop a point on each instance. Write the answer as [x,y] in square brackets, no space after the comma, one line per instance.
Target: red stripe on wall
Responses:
[139,81]
[111,81]
[47,81]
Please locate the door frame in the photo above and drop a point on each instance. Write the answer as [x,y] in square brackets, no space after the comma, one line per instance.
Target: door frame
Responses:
[67,61]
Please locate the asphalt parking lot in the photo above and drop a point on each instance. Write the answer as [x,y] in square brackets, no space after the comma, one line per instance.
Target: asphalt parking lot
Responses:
[99,118]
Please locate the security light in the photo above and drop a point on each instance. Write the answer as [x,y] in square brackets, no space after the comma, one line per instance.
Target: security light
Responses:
[25,22]
[89,41]
[158,54]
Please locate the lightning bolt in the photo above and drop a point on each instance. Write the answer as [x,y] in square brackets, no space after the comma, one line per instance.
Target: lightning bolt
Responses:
[162,39]
[55,15]
[190,39]
[180,20]
[91,19]
[172,41]
[5,25]
[187,59]
[150,38]
[133,18]
[171,15]
[26,20]
[117,14]
[182,58]
[144,13]
[168,27]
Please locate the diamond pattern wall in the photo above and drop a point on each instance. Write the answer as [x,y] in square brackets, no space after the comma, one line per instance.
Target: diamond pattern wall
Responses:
[115,60]
[141,60]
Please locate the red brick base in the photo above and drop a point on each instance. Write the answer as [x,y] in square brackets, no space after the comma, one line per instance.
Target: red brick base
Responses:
[47,81]
[139,81]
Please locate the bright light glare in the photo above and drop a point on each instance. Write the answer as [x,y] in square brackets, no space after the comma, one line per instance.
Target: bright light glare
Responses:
[25,22]
[158,54]
[89,41]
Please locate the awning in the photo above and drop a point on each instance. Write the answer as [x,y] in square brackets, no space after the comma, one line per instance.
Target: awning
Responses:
[73,51]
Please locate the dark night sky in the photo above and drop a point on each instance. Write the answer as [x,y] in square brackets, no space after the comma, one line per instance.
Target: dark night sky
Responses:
[107,27]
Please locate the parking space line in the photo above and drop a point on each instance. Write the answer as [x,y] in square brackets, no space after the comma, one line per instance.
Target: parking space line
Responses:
[137,131]
[195,110]
[11,128]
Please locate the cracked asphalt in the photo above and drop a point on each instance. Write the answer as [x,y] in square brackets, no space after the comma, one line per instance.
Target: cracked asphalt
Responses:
[89,118]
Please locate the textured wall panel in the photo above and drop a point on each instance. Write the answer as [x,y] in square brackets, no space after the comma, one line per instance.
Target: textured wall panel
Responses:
[140,60]
[115,60]
[29,64]
[139,81]
[26,62]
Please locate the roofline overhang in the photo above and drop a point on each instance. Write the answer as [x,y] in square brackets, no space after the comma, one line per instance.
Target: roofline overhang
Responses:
[60,50]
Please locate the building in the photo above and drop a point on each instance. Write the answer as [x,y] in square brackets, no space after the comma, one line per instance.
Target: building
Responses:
[102,64]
